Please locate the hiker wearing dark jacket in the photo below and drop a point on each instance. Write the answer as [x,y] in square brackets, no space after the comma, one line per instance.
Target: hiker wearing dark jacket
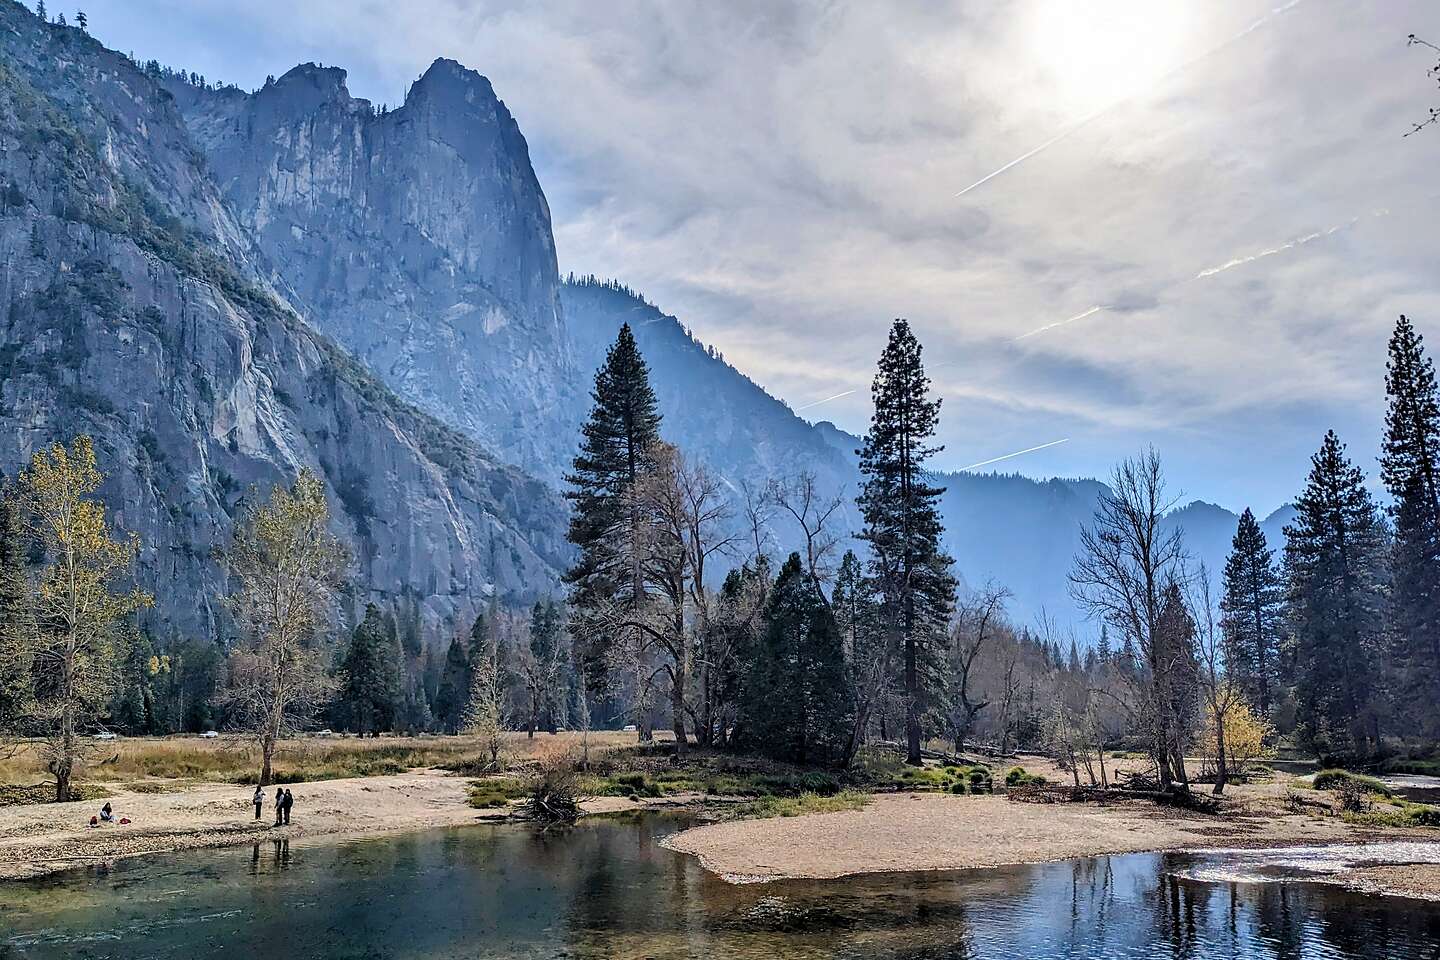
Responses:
[279,806]
[288,802]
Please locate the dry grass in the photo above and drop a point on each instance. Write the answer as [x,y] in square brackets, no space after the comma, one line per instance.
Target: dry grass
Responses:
[153,763]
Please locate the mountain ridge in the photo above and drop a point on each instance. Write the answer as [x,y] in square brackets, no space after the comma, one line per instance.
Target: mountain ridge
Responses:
[136,311]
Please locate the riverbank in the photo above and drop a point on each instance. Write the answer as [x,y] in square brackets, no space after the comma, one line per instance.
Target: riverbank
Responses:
[39,839]
[930,832]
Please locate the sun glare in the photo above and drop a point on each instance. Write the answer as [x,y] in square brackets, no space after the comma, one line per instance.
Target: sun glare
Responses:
[1093,54]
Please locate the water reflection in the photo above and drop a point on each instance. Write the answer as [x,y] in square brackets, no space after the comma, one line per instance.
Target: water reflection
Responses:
[609,889]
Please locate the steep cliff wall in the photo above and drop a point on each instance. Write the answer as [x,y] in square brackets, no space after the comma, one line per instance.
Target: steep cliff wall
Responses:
[419,238]
[135,309]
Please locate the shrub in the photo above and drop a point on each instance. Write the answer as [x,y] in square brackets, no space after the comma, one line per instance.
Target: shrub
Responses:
[1018,777]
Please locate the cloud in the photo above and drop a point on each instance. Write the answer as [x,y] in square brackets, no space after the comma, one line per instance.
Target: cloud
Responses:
[781,176]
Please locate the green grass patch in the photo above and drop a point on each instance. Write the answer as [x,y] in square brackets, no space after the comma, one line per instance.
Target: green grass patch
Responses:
[1336,779]
[496,792]
[1396,813]
[806,803]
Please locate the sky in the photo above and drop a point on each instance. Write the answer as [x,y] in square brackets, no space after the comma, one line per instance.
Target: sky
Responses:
[1213,223]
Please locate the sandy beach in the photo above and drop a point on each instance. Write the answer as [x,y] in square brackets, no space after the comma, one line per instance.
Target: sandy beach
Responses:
[903,832]
[38,839]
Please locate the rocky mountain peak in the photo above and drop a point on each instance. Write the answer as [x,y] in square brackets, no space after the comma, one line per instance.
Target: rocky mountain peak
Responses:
[420,239]
[307,86]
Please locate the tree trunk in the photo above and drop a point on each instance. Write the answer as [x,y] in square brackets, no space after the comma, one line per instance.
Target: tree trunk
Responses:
[267,755]
[677,708]
[1222,768]
[912,704]
[534,715]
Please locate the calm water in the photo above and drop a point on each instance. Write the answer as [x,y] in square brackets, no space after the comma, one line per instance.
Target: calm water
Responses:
[608,889]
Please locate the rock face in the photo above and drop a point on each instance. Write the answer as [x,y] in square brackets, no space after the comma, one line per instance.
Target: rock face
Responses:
[135,308]
[418,238]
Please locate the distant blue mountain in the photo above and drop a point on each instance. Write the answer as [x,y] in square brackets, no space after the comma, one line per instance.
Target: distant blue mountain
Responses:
[1018,531]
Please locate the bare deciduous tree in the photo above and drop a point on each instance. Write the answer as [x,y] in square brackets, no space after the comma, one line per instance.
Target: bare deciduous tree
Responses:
[816,514]
[977,620]
[1222,695]
[1126,564]
[683,511]
[484,714]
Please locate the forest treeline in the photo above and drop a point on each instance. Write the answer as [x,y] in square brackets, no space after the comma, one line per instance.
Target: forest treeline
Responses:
[1331,641]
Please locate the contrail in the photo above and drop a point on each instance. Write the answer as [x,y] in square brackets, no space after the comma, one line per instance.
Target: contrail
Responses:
[817,403]
[1059,323]
[986,463]
[1288,245]
[1125,99]
[1044,146]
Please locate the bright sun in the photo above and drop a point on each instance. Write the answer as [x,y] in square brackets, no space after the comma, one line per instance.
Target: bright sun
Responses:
[1097,52]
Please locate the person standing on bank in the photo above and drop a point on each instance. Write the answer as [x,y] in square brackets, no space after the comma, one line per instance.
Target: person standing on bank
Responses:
[288,803]
[279,806]
[258,800]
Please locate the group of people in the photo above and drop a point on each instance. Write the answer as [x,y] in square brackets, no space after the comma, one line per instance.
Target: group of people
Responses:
[283,802]
[107,815]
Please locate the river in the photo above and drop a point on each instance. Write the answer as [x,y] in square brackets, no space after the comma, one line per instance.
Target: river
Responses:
[608,888]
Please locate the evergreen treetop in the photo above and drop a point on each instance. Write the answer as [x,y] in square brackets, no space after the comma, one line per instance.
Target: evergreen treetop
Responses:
[1334,562]
[1251,609]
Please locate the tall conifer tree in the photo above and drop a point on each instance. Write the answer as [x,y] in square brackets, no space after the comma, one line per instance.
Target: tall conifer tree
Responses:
[1333,565]
[616,449]
[453,691]
[797,701]
[910,571]
[370,674]
[1251,608]
[1410,467]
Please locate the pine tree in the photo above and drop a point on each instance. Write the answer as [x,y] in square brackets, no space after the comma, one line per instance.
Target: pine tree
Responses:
[81,20]
[615,451]
[1251,608]
[910,571]
[1172,701]
[1102,646]
[1333,563]
[370,674]
[1410,467]
[797,702]
[542,665]
[40,11]
[453,690]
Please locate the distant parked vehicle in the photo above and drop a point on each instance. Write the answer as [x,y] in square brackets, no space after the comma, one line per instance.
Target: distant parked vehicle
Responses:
[327,732]
[209,735]
[628,728]
[107,735]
